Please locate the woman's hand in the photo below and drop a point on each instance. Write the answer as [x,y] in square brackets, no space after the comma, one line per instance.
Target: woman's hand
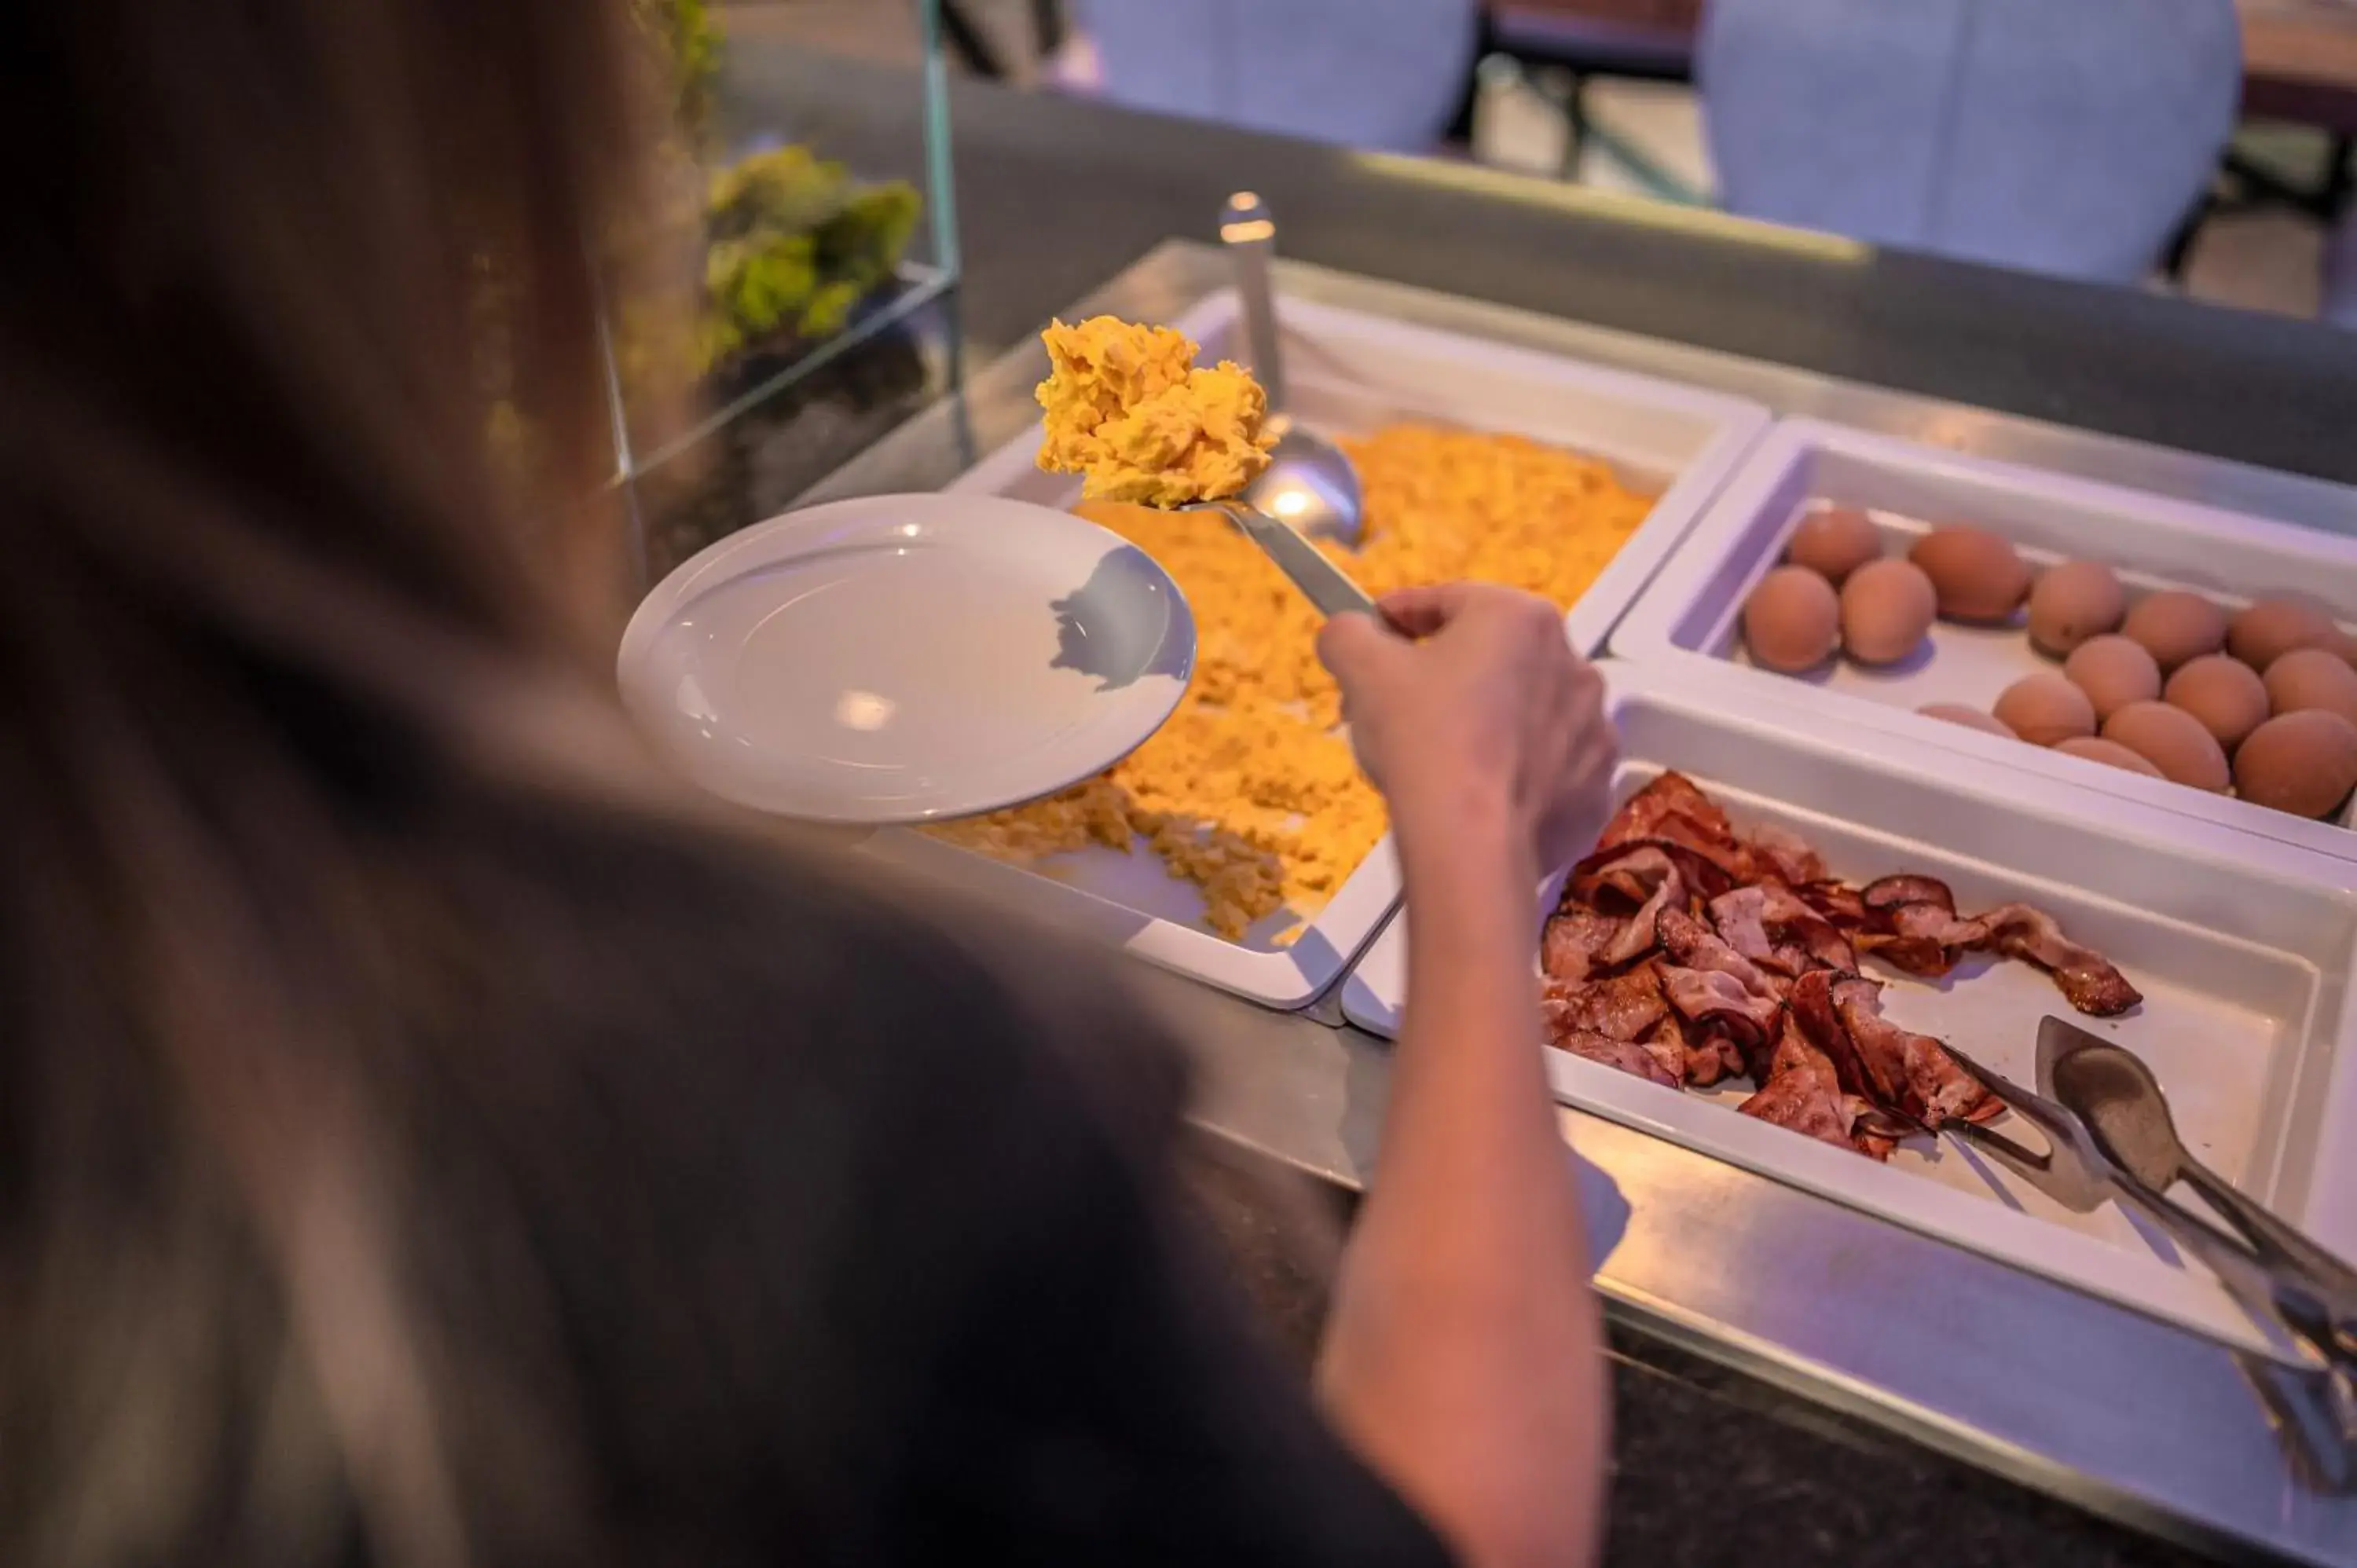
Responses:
[1470,711]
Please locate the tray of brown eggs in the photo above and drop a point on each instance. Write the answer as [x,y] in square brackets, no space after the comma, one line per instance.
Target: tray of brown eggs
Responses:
[2201,660]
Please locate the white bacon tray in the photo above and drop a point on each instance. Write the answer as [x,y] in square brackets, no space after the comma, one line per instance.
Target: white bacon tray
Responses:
[1348,373]
[2243,946]
[1690,617]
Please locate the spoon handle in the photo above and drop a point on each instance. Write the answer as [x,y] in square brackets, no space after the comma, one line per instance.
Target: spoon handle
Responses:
[1249,235]
[1323,584]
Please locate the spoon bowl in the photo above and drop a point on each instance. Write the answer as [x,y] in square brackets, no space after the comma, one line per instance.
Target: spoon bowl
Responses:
[1309,484]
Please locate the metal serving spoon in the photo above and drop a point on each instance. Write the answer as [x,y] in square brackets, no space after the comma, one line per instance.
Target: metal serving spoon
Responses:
[1309,487]
[1310,482]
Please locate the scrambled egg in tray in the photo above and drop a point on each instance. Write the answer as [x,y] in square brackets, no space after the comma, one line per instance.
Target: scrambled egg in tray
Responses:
[1250,790]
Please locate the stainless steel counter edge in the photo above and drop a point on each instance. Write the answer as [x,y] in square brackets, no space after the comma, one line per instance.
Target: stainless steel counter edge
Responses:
[2111,1410]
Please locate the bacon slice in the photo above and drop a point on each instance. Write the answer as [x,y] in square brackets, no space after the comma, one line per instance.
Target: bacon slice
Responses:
[1915,926]
[1916,955]
[1666,1044]
[1801,1102]
[1820,1024]
[1717,1008]
[1673,795]
[1801,1092]
[1623,866]
[1725,858]
[1708,996]
[1575,940]
[1642,875]
[1711,1056]
[1804,1093]
[1931,1086]
[1911,924]
[2086,979]
[1873,1143]
[1629,873]
[1793,1051]
[1630,1057]
[1785,856]
[1741,917]
[1894,892]
[1838,902]
[1693,945]
[1643,932]
[1931,923]
[1624,1007]
[1683,952]
[1768,924]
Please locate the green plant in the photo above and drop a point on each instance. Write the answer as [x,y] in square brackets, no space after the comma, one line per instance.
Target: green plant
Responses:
[794,244]
[686,33]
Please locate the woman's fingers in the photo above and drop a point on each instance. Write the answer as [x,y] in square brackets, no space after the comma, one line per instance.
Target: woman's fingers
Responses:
[1354,646]
[1422,612]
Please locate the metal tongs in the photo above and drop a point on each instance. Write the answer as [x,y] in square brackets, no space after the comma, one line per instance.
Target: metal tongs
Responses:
[2109,1138]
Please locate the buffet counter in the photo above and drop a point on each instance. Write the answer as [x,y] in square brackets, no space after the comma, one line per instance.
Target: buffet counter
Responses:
[2152,1424]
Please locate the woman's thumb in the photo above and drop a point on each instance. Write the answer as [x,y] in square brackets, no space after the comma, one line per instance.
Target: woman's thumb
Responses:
[1352,643]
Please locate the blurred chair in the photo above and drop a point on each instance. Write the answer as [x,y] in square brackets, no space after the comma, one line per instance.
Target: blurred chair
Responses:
[1367,73]
[2069,137]
[2340,275]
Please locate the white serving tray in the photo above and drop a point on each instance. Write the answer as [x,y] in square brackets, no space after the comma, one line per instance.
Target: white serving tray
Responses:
[2243,946]
[1691,616]
[1348,373]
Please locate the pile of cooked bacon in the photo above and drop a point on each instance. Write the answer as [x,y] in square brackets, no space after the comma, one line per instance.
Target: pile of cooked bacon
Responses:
[1685,953]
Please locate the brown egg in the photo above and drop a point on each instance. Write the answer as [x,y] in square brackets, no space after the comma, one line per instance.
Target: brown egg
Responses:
[2073,602]
[2304,763]
[2270,627]
[1833,542]
[2219,690]
[1886,609]
[2044,708]
[1979,576]
[2114,673]
[1792,621]
[1971,718]
[2110,753]
[2311,678]
[2175,626]
[2172,740]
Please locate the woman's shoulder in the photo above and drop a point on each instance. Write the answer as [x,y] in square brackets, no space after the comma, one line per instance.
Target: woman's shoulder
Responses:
[736,955]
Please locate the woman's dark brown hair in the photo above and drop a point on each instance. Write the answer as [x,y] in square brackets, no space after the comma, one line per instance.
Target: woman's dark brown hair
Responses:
[272,614]
[424,1141]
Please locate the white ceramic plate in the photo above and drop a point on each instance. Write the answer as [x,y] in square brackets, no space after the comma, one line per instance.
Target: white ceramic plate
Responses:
[908,659]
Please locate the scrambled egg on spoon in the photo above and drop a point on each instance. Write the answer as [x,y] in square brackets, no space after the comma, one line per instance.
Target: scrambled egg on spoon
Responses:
[1129,410]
